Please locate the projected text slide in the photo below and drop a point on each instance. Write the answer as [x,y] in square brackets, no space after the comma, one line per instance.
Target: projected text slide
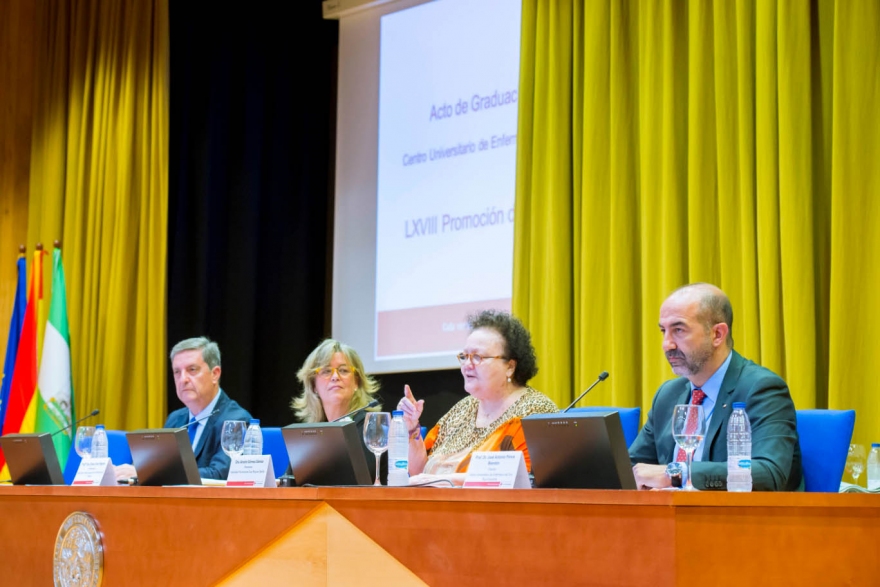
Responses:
[448,94]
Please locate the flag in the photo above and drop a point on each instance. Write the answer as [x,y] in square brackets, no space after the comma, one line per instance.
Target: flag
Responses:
[55,408]
[18,309]
[20,408]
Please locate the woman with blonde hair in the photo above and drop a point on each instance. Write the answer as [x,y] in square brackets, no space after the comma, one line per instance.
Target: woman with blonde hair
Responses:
[335,384]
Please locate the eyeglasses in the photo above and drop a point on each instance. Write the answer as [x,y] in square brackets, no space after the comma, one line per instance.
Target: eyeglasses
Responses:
[342,371]
[475,358]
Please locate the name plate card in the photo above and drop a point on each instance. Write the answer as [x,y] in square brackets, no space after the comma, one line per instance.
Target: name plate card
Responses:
[497,470]
[95,472]
[251,471]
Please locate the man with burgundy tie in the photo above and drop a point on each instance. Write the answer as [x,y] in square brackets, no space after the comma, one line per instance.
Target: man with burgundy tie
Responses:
[195,364]
[696,321]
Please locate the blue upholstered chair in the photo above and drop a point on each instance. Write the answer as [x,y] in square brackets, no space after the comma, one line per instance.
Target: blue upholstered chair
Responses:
[630,418]
[824,436]
[273,444]
[117,448]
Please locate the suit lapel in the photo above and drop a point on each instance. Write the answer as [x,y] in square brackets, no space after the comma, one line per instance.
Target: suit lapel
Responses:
[202,439]
[723,406]
[208,431]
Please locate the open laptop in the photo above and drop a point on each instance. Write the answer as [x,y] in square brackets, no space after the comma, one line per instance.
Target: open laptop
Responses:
[326,453]
[163,456]
[584,450]
[32,459]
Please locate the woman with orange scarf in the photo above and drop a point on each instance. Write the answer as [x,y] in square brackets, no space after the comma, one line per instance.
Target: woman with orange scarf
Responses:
[497,362]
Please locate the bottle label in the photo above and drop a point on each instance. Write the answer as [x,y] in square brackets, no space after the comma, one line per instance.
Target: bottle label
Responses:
[401,464]
[745,463]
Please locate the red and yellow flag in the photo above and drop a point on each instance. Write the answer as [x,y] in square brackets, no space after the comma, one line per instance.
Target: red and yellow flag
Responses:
[21,407]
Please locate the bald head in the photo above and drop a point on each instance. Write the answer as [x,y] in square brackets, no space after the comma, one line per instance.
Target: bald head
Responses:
[713,305]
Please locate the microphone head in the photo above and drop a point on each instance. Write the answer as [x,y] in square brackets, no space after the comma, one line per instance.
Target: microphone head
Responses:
[95,412]
[373,404]
[603,375]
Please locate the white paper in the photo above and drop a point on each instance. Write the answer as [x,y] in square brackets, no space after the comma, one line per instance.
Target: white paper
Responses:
[94,471]
[251,471]
[497,470]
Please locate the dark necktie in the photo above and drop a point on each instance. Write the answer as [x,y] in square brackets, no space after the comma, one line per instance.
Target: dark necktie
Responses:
[697,398]
[192,429]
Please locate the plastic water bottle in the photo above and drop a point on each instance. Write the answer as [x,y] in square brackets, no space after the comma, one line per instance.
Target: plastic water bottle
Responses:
[739,450]
[253,439]
[398,451]
[99,443]
[874,467]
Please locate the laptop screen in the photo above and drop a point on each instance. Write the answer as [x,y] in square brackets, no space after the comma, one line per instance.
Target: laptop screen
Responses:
[326,453]
[32,459]
[578,451]
[163,457]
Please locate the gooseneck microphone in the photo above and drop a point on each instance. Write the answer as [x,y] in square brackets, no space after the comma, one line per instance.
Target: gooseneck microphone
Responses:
[188,424]
[94,412]
[602,377]
[372,404]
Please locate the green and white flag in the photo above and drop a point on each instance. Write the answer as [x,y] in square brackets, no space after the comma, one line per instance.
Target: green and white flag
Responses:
[55,407]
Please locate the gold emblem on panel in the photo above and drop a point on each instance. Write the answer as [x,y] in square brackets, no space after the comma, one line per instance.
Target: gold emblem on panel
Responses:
[79,553]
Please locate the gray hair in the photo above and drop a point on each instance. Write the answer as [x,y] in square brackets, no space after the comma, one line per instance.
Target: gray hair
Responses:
[307,405]
[209,348]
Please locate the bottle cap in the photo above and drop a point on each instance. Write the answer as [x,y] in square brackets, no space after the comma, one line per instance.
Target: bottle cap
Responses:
[875,445]
[99,427]
[255,421]
[739,405]
[396,413]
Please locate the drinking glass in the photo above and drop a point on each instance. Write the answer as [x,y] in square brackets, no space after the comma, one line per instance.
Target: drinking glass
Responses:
[855,461]
[232,437]
[688,430]
[376,427]
[82,442]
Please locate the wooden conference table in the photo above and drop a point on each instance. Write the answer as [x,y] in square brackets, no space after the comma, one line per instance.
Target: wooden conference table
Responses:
[415,536]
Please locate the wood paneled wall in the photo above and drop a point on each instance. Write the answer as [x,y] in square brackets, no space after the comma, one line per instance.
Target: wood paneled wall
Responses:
[18,44]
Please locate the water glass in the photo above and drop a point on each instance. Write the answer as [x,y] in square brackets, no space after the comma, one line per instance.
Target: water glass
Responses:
[688,430]
[232,437]
[376,427]
[82,442]
[855,461]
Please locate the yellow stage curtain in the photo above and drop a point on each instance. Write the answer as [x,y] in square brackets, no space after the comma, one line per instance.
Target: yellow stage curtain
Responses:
[668,142]
[99,182]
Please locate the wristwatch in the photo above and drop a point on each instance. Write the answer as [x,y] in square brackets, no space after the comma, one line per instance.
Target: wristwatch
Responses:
[675,472]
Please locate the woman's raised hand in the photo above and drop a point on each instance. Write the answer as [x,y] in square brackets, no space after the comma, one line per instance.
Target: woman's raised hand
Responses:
[412,409]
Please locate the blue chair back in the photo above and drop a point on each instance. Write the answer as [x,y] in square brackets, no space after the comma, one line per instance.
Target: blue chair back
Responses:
[824,436]
[630,418]
[117,448]
[273,444]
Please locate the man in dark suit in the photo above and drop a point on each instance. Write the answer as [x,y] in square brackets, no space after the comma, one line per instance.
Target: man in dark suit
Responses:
[195,363]
[695,322]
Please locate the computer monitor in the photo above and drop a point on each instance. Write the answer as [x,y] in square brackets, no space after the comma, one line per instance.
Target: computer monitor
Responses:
[578,451]
[326,453]
[32,459]
[163,456]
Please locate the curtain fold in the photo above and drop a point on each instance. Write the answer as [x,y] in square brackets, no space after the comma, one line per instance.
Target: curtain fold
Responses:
[99,183]
[665,142]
